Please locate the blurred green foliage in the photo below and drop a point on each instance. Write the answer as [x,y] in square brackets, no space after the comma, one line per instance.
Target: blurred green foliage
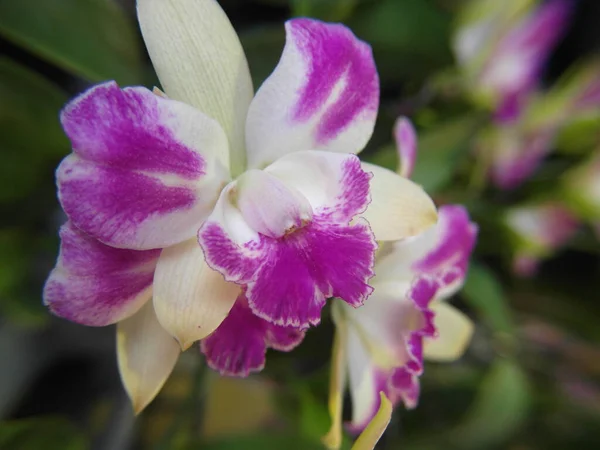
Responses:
[509,391]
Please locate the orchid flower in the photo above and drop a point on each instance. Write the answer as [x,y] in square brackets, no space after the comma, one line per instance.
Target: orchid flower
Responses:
[539,230]
[234,212]
[380,347]
[517,148]
[503,47]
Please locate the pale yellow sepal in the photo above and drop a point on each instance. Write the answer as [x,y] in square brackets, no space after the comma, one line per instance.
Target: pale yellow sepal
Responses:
[454,334]
[146,355]
[399,208]
[190,299]
[333,439]
[371,435]
[200,61]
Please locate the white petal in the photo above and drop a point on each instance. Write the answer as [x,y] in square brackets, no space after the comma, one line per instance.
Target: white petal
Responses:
[191,300]
[199,60]
[399,208]
[323,95]
[454,334]
[146,355]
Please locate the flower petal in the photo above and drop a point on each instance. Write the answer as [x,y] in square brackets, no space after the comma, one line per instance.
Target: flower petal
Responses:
[145,170]
[239,345]
[200,61]
[406,145]
[290,276]
[333,183]
[323,94]
[190,299]
[146,355]
[368,439]
[366,381]
[454,332]
[96,285]
[399,208]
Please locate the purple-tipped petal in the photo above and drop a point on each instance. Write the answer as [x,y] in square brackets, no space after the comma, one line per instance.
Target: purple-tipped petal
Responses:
[514,69]
[324,94]
[96,285]
[145,170]
[406,145]
[289,274]
[239,345]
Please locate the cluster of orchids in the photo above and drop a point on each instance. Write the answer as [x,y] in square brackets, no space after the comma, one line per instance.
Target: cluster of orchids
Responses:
[502,49]
[209,213]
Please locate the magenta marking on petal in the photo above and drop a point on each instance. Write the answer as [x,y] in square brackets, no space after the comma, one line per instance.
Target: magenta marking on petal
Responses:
[300,271]
[94,284]
[129,130]
[406,145]
[290,278]
[111,204]
[336,59]
[456,239]
[355,196]
[238,346]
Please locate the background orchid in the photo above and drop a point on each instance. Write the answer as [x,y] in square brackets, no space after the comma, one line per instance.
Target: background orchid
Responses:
[504,97]
[380,348]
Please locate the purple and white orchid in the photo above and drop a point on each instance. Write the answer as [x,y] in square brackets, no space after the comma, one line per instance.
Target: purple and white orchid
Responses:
[503,47]
[539,230]
[234,212]
[380,347]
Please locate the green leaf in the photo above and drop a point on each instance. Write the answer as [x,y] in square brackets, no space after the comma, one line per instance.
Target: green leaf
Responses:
[409,37]
[263,47]
[30,132]
[91,38]
[441,149]
[329,10]
[501,407]
[484,293]
[46,433]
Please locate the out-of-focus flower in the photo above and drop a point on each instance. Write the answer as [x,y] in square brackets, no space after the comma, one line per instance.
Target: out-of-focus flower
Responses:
[268,185]
[539,230]
[380,347]
[581,186]
[503,46]
[516,148]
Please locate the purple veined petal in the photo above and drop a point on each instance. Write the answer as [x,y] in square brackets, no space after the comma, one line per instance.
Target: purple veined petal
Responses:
[145,170]
[406,145]
[96,285]
[238,346]
[289,275]
[334,184]
[323,95]
[442,252]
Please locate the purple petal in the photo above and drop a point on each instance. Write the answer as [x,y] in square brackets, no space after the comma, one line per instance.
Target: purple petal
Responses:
[239,345]
[323,94]
[145,169]
[448,258]
[406,145]
[96,285]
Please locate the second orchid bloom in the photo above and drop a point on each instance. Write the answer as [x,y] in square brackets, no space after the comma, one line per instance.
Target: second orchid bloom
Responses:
[233,212]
